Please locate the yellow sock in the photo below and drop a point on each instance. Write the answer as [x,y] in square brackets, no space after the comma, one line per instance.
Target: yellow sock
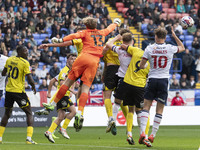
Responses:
[2,129]
[29,131]
[53,97]
[66,123]
[78,105]
[124,109]
[147,126]
[108,106]
[52,127]
[129,122]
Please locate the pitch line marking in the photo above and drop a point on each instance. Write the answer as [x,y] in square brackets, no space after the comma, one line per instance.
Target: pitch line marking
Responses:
[83,146]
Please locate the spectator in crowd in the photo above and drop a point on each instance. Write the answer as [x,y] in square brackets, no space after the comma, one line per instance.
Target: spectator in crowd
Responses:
[41,26]
[51,4]
[147,11]
[187,63]
[151,27]
[44,14]
[60,19]
[8,43]
[35,53]
[159,5]
[197,63]
[174,84]
[192,82]
[131,13]
[103,10]
[178,29]
[151,4]
[55,55]
[195,47]
[173,78]
[3,14]
[56,32]
[180,7]
[177,100]
[34,76]
[46,40]
[188,6]
[33,61]
[140,6]
[23,6]
[54,71]
[97,79]
[14,42]
[44,85]
[48,79]
[29,46]
[31,26]
[45,56]
[184,82]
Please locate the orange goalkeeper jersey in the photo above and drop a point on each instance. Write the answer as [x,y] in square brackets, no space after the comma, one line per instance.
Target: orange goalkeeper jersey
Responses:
[92,39]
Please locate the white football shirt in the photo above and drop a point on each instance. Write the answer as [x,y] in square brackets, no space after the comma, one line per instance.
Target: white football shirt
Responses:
[160,58]
[124,59]
[2,64]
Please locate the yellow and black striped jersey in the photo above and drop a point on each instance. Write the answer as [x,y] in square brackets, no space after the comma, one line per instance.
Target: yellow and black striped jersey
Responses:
[136,78]
[17,69]
[112,57]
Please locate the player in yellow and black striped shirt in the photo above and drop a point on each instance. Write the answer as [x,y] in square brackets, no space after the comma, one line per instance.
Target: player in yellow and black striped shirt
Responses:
[17,67]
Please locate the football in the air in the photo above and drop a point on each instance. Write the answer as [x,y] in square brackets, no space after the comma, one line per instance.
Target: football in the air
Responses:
[186,22]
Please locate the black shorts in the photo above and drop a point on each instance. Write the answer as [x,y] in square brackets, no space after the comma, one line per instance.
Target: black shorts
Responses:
[119,91]
[157,89]
[110,77]
[133,95]
[64,103]
[20,98]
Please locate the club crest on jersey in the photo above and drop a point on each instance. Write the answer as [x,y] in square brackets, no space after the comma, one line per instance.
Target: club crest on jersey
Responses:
[23,102]
[64,103]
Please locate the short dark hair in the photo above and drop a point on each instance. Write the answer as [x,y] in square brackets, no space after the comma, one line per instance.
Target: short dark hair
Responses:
[127,37]
[20,48]
[71,54]
[160,33]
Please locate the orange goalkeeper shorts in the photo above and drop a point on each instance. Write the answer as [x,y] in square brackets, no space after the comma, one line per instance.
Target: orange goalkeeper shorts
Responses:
[85,66]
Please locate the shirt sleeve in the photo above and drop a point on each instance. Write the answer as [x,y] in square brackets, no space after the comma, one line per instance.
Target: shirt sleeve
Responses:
[27,68]
[174,49]
[77,35]
[130,50]
[6,65]
[116,49]
[146,54]
[109,29]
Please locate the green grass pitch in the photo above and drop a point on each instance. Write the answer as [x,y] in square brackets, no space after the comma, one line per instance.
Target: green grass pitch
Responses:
[95,138]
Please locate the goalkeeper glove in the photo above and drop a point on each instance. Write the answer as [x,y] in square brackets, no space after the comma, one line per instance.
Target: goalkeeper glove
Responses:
[56,40]
[117,21]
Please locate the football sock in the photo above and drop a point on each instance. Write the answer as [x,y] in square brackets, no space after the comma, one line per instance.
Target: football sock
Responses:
[82,101]
[129,121]
[61,93]
[156,123]
[2,129]
[66,123]
[108,106]
[147,126]
[143,120]
[138,118]
[52,127]
[124,109]
[29,132]
[83,108]
[115,110]
[129,134]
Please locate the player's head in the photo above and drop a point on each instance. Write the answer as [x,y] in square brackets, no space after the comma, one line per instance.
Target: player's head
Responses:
[127,39]
[122,31]
[71,57]
[22,51]
[90,23]
[160,34]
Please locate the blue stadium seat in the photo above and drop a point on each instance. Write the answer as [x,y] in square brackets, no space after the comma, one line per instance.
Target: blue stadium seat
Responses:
[59,64]
[40,64]
[40,81]
[49,31]
[62,58]
[144,26]
[178,76]
[145,31]
[168,38]
[190,48]
[39,41]
[43,36]
[36,36]
[37,86]
[189,37]
[63,64]
[182,37]
[9,53]
[185,32]
[100,86]
[188,43]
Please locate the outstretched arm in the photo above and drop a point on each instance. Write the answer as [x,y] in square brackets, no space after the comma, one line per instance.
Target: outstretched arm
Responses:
[67,43]
[181,47]
[111,42]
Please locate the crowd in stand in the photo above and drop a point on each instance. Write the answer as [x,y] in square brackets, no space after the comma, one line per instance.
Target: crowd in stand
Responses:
[35,22]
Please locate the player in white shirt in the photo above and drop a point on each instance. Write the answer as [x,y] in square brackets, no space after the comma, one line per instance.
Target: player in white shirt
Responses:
[160,57]
[2,78]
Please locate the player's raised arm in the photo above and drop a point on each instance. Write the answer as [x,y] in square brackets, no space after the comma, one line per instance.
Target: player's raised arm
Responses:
[111,42]
[31,82]
[67,43]
[111,27]
[181,47]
